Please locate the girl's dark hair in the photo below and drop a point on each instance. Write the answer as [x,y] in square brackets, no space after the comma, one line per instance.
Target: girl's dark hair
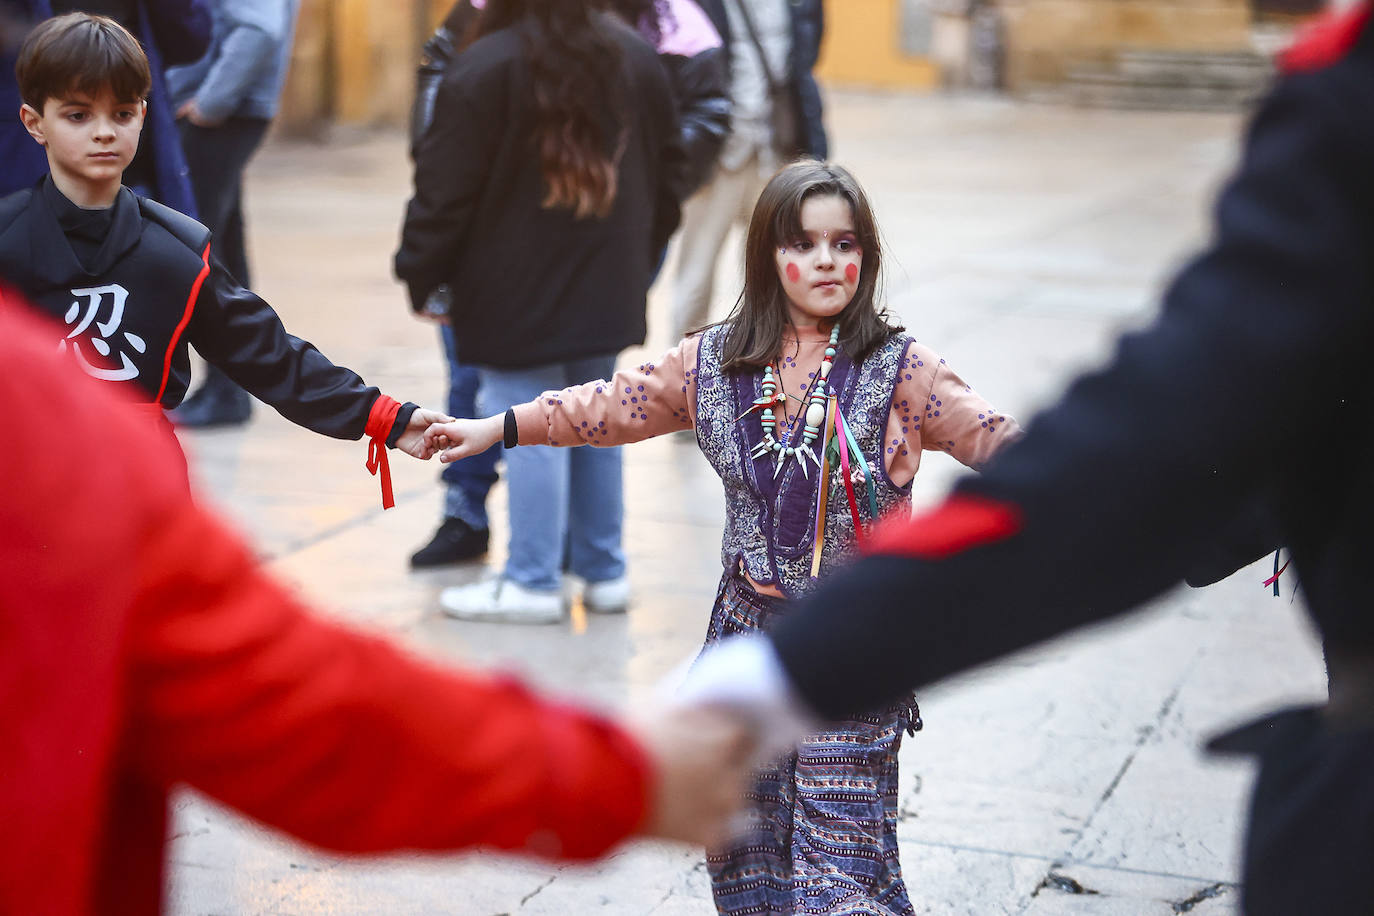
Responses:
[79,52]
[579,97]
[754,330]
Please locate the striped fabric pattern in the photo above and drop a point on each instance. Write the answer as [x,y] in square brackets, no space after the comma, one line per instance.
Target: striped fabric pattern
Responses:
[821,825]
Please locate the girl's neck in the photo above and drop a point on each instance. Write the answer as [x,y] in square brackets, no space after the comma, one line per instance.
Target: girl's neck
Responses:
[808,332]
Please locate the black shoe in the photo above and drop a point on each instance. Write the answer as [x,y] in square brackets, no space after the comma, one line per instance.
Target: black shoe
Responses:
[454,542]
[218,402]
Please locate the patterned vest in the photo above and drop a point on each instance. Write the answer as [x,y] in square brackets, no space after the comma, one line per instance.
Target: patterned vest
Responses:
[770,522]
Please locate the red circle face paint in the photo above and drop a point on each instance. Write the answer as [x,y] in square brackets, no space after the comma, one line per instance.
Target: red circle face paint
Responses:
[793,273]
[851,272]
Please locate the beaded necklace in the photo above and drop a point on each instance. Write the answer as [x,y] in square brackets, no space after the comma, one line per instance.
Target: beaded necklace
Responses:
[839,448]
[812,418]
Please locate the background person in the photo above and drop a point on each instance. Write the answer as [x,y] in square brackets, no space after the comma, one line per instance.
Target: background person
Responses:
[699,68]
[224,104]
[544,190]
[775,117]
[695,58]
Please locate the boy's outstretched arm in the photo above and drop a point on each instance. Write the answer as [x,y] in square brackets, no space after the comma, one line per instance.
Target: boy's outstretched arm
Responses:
[240,333]
[237,331]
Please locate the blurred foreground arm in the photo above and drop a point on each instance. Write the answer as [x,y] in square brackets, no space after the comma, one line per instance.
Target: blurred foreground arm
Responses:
[146,646]
[1112,493]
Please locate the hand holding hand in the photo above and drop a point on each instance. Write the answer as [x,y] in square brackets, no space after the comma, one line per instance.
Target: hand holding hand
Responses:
[464,438]
[744,675]
[412,441]
[701,756]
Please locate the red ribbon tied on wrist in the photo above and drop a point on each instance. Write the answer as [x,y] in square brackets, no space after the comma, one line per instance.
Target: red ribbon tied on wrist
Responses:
[379,423]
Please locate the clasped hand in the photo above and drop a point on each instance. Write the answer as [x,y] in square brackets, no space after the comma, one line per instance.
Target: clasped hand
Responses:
[413,441]
[457,439]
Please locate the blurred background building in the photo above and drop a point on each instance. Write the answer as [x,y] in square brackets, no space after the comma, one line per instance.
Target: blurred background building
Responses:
[354,60]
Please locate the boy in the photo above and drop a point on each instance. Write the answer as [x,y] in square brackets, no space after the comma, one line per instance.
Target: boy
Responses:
[136,282]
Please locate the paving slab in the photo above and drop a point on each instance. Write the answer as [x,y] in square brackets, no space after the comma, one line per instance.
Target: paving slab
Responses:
[1021,240]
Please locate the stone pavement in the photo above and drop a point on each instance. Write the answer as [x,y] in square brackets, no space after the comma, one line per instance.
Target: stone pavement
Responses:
[1065,780]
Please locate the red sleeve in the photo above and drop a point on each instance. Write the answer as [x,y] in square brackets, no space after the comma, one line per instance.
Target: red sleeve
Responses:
[344,740]
[234,687]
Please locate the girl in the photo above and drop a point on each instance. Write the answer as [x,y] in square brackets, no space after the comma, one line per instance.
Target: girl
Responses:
[814,410]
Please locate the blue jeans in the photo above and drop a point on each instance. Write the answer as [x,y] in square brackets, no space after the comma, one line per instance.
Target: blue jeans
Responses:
[566,505]
[466,482]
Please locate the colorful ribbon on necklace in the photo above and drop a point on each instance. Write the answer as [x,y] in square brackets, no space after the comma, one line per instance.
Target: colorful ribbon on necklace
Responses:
[1278,571]
[823,499]
[869,484]
[841,432]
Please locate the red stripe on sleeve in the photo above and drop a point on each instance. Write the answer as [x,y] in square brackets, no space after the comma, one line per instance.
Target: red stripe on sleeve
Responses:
[185,320]
[958,524]
[1325,41]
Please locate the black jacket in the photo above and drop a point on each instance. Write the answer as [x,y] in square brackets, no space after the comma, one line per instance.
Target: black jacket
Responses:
[533,285]
[1252,385]
[808,27]
[153,287]
[701,84]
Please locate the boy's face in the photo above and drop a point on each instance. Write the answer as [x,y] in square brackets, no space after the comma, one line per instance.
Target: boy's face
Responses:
[90,140]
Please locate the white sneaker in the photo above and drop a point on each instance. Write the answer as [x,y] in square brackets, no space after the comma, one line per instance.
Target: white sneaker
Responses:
[500,599]
[609,597]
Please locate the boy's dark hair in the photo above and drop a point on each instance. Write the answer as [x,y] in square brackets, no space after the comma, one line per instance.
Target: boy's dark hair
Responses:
[79,52]
[754,330]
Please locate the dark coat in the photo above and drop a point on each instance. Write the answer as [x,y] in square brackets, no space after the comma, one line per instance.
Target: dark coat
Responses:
[172,32]
[1252,385]
[1126,481]
[533,285]
[808,27]
[701,83]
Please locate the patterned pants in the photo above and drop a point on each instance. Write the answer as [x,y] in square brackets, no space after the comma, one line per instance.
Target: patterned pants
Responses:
[821,834]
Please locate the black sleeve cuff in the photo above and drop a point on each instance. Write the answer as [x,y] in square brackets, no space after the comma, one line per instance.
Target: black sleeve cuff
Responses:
[402,421]
[512,436]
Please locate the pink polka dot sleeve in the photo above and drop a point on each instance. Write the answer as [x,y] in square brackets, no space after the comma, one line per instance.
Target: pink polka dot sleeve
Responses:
[638,403]
[932,408]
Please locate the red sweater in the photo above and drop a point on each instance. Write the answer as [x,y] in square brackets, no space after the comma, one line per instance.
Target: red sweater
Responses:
[142,646]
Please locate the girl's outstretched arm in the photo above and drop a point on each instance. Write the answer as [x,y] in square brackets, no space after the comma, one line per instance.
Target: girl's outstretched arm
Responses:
[954,418]
[648,400]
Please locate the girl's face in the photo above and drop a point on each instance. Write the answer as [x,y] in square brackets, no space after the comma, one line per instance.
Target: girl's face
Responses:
[820,270]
